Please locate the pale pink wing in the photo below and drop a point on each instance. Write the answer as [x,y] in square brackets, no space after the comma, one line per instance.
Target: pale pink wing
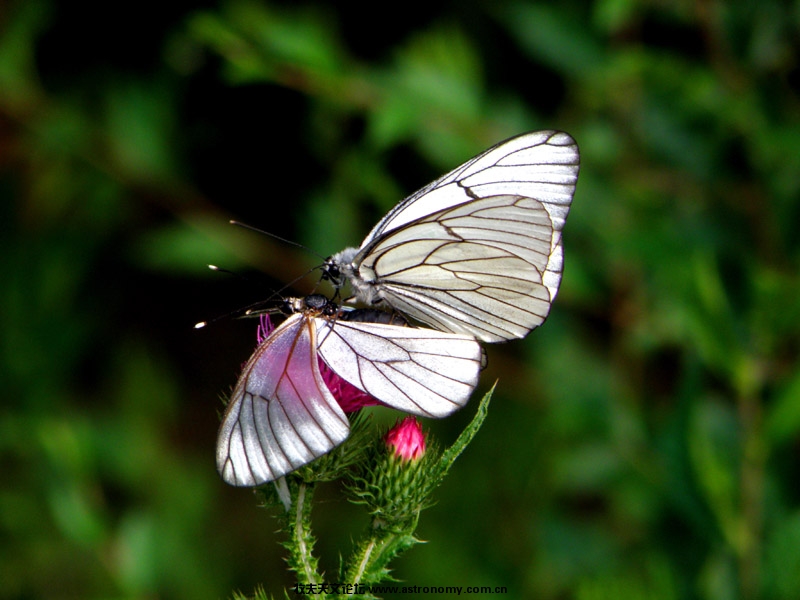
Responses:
[281,415]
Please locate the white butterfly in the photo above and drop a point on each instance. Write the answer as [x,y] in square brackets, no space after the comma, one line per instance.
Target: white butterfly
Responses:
[477,251]
[281,414]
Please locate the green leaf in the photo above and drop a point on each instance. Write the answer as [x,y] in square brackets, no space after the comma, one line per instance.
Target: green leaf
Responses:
[450,455]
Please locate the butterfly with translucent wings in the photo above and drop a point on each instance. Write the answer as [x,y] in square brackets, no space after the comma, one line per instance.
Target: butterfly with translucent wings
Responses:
[282,415]
[478,251]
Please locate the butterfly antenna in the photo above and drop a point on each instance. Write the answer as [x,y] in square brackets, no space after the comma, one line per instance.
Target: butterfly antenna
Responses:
[325,266]
[251,309]
[257,308]
[280,293]
[277,237]
[226,271]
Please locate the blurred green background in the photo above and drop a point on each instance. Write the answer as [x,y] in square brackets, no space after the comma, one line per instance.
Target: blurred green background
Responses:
[644,443]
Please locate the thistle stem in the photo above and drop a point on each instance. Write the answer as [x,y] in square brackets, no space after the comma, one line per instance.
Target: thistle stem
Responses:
[301,541]
[302,532]
[362,564]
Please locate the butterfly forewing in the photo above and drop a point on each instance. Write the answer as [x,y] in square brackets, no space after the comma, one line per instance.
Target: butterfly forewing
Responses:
[541,164]
[281,415]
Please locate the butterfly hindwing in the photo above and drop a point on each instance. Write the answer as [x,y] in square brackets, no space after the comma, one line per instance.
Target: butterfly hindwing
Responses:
[419,371]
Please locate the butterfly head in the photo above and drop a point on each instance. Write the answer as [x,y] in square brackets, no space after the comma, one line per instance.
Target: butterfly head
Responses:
[339,267]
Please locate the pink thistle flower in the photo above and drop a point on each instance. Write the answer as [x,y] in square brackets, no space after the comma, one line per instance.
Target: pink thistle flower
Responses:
[406,439]
[265,327]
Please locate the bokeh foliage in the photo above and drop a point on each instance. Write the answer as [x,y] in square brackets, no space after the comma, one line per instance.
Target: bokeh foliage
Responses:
[642,444]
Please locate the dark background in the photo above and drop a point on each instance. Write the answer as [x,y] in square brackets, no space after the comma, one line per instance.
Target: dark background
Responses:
[642,444]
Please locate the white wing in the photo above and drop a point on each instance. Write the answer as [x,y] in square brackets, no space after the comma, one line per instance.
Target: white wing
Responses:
[477,251]
[540,164]
[419,371]
[281,415]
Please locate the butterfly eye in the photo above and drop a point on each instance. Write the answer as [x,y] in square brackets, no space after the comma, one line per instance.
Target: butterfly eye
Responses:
[331,272]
